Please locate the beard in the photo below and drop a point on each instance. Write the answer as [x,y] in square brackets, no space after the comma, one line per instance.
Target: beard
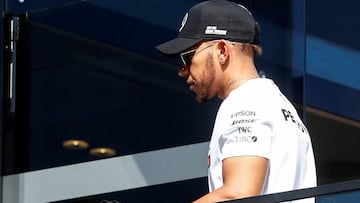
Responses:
[207,79]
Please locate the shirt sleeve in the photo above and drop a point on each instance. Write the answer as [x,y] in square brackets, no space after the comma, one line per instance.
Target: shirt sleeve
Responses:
[251,139]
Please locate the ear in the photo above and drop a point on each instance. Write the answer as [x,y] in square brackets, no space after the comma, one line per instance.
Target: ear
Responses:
[223,52]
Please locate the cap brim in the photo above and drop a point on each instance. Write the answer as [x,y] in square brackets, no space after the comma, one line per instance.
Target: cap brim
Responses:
[176,46]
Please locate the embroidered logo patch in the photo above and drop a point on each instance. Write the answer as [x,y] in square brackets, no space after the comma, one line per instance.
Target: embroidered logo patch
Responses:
[212,30]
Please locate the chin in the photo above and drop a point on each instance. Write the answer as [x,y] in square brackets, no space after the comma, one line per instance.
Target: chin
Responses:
[202,99]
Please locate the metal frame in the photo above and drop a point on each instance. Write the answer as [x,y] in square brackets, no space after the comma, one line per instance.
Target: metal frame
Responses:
[321,190]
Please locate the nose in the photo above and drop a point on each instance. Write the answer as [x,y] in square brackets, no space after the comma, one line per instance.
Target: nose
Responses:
[190,81]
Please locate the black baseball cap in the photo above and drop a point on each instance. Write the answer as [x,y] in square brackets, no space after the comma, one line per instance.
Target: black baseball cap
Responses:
[211,20]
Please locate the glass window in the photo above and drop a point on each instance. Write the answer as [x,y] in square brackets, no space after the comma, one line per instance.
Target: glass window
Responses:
[332,91]
[90,87]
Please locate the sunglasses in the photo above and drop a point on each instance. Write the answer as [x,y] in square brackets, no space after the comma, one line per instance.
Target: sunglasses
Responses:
[186,58]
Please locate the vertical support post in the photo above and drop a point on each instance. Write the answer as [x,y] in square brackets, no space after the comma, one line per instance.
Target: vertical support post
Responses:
[14,36]
[1,94]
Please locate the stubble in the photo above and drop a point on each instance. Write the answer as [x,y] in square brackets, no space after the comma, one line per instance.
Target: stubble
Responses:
[207,81]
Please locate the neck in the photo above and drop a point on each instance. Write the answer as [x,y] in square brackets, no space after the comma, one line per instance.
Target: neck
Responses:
[234,83]
[237,71]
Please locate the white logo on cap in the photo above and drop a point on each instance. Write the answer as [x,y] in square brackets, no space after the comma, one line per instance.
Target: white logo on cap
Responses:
[184,21]
[212,30]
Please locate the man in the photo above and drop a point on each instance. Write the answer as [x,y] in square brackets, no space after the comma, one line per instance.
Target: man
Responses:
[259,144]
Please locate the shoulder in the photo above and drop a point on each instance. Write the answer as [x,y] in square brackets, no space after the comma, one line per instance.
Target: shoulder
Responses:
[259,98]
[258,93]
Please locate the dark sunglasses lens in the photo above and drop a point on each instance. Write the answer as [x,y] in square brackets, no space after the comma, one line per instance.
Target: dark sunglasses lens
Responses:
[183,71]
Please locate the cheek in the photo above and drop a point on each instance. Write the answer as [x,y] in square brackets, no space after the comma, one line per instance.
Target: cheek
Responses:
[195,72]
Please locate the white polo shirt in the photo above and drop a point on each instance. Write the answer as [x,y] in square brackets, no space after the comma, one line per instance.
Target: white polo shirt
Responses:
[256,119]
